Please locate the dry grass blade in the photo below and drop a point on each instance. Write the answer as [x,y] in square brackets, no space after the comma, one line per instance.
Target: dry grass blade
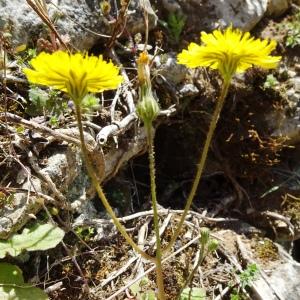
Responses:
[41,10]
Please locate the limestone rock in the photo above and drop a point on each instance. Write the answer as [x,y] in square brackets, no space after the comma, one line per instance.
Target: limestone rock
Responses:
[207,15]
[73,18]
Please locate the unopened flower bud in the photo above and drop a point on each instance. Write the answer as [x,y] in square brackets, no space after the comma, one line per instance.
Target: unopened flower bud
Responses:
[204,236]
[148,108]
[212,245]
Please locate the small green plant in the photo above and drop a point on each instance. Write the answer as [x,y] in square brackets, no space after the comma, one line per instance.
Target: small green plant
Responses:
[293,32]
[176,23]
[39,237]
[6,200]
[24,56]
[193,294]
[46,102]
[138,289]
[246,278]
[90,103]
[12,286]
[271,82]
[207,245]
[86,233]
[293,38]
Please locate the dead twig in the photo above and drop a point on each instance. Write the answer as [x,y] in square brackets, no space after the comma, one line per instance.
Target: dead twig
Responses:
[277,216]
[45,177]
[124,124]
[47,198]
[92,222]
[119,25]
[128,91]
[9,117]
[41,11]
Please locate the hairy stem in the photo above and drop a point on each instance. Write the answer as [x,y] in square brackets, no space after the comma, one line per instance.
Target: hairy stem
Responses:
[100,192]
[159,274]
[202,160]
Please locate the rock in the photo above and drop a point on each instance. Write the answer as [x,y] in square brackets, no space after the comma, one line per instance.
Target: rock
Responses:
[66,170]
[293,96]
[169,69]
[188,90]
[291,73]
[275,286]
[297,84]
[135,22]
[278,7]
[171,6]
[26,26]
[73,18]
[13,217]
[207,15]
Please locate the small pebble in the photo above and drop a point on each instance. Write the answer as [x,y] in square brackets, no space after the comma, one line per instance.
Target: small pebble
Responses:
[290,92]
[297,67]
[297,84]
[291,73]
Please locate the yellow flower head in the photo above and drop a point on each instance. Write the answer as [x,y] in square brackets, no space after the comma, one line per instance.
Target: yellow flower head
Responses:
[75,74]
[229,52]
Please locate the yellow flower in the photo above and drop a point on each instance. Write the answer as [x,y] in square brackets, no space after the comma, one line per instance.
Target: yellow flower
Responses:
[230,51]
[75,74]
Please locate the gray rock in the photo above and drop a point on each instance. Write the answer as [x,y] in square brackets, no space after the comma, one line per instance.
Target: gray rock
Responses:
[283,279]
[291,73]
[65,169]
[75,18]
[168,68]
[72,18]
[296,83]
[207,15]
[293,96]
[188,90]
[13,217]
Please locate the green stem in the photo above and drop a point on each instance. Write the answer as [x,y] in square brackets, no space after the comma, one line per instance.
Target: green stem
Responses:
[159,274]
[101,194]
[202,160]
[192,274]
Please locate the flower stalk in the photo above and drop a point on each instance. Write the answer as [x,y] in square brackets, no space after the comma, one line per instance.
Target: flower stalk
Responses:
[147,110]
[151,154]
[202,160]
[229,52]
[100,192]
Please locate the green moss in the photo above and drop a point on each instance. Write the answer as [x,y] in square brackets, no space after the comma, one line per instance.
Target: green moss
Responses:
[266,250]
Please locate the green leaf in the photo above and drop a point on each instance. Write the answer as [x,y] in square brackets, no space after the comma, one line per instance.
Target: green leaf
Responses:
[40,237]
[193,294]
[149,295]
[10,274]
[12,286]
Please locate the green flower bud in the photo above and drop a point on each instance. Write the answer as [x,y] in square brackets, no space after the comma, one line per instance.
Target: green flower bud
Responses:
[147,108]
[204,236]
[212,245]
